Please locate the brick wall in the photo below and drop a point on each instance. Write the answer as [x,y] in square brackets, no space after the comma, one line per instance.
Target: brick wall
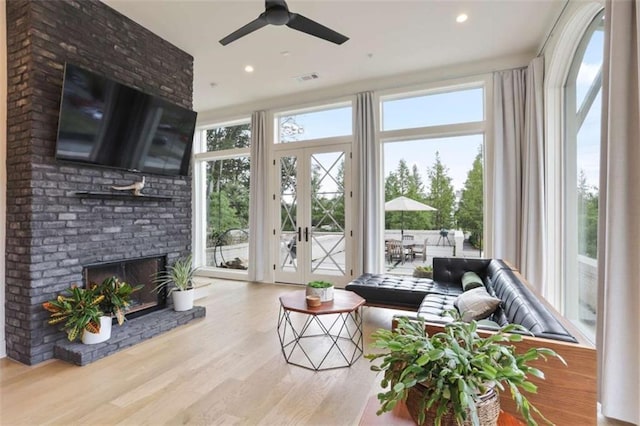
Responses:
[51,233]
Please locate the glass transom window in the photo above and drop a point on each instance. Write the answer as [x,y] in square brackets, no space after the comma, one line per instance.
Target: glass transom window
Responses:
[319,124]
[459,106]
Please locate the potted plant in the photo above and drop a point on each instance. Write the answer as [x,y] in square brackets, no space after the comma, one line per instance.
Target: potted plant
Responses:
[453,377]
[321,289]
[423,271]
[78,310]
[117,296]
[180,277]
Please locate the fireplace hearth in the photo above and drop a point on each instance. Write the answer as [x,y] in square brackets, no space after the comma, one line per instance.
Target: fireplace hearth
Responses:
[133,271]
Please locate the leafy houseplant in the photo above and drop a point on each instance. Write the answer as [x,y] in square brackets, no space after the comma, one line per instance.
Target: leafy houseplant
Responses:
[178,279]
[321,289]
[423,271]
[78,310]
[117,296]
[455,368]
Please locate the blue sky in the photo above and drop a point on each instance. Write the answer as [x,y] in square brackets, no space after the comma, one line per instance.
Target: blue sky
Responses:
[588,149]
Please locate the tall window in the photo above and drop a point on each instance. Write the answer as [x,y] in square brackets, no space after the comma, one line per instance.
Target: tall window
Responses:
[223,172]
[434,155]
[583,94]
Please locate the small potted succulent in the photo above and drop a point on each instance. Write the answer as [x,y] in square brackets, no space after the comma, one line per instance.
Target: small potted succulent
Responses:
[423,271]
[453,377]
[178,279]
[321,289]
[78,310]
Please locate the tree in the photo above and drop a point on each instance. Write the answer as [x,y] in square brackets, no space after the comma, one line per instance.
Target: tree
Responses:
[408,183]
[228,180]
[222,216]
[469,215]
[441,195]
[587,217]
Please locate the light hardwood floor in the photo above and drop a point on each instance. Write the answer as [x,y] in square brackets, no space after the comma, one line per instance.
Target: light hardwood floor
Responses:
[224,369]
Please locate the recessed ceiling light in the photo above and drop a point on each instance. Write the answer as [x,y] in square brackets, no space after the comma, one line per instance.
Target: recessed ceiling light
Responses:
[248,68]
[461,18]
[285,53]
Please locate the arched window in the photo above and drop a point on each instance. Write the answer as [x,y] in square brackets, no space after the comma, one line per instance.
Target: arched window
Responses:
[582,112]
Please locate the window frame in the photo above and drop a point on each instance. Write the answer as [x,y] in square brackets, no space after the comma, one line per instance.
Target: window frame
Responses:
[484,128]
[199,205]
[570,283]
[559,56]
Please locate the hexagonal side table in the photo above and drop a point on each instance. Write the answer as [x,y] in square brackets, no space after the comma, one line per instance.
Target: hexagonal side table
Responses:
[321,338]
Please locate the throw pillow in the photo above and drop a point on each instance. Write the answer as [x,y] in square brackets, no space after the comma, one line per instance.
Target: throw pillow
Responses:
[476,304]
[471,280]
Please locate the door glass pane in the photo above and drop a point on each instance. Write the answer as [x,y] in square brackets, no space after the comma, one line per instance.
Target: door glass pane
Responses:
[288,214]
[327,214]
[315,124]
[227,188]
[433,110]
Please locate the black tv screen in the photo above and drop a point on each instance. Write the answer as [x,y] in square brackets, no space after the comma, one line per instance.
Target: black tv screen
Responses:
[106,123]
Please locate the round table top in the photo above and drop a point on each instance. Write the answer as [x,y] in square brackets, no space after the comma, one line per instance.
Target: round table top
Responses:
[343,301]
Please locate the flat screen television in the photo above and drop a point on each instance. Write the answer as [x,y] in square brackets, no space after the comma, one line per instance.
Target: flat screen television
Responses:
[106,123]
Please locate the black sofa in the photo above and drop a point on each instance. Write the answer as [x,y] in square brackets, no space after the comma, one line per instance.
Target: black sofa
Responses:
[431,298]
[568,395]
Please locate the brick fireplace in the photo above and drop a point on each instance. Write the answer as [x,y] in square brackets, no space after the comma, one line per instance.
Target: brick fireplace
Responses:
[140,271]
[54,230]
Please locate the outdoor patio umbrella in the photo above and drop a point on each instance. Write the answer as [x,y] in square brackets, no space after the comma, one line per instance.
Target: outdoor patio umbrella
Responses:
[404,204]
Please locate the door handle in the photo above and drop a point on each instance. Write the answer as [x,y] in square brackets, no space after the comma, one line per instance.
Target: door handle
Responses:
[306,234]
[299,234]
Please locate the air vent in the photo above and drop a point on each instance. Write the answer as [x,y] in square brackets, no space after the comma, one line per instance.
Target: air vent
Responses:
[307,77]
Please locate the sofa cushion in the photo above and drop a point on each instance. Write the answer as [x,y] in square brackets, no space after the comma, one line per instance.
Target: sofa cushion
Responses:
[434,306]
[476,304]
[471,280]
[401,291]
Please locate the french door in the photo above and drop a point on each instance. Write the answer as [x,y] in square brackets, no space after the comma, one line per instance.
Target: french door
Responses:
[312,236]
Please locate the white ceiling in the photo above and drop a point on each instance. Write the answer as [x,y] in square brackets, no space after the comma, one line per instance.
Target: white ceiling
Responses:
[386,38]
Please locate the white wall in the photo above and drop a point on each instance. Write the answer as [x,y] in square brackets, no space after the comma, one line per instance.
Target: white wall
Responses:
[334,93]
[3,166]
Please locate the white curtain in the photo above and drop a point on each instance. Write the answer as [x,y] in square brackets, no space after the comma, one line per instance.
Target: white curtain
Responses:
[618,319]
[517,182]
[369,171]
[258,240]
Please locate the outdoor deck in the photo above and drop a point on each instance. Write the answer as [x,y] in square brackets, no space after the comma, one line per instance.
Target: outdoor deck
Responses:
[328,252]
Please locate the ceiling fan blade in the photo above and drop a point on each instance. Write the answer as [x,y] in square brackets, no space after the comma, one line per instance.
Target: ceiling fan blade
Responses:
[306,25]
[252,26]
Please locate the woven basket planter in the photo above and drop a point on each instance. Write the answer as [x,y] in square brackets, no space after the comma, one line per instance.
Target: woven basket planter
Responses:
[488,406]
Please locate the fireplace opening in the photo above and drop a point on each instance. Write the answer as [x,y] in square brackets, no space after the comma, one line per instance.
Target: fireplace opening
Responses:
[133,271]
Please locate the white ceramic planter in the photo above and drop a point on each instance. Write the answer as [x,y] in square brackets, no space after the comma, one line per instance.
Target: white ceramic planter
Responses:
[183,300]
[89,338]
[325,294]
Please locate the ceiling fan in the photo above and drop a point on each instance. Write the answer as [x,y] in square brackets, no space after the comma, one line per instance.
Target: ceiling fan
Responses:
[277,13]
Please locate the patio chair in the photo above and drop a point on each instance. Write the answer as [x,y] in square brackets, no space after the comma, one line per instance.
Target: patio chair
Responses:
[421,250]
[396,251]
